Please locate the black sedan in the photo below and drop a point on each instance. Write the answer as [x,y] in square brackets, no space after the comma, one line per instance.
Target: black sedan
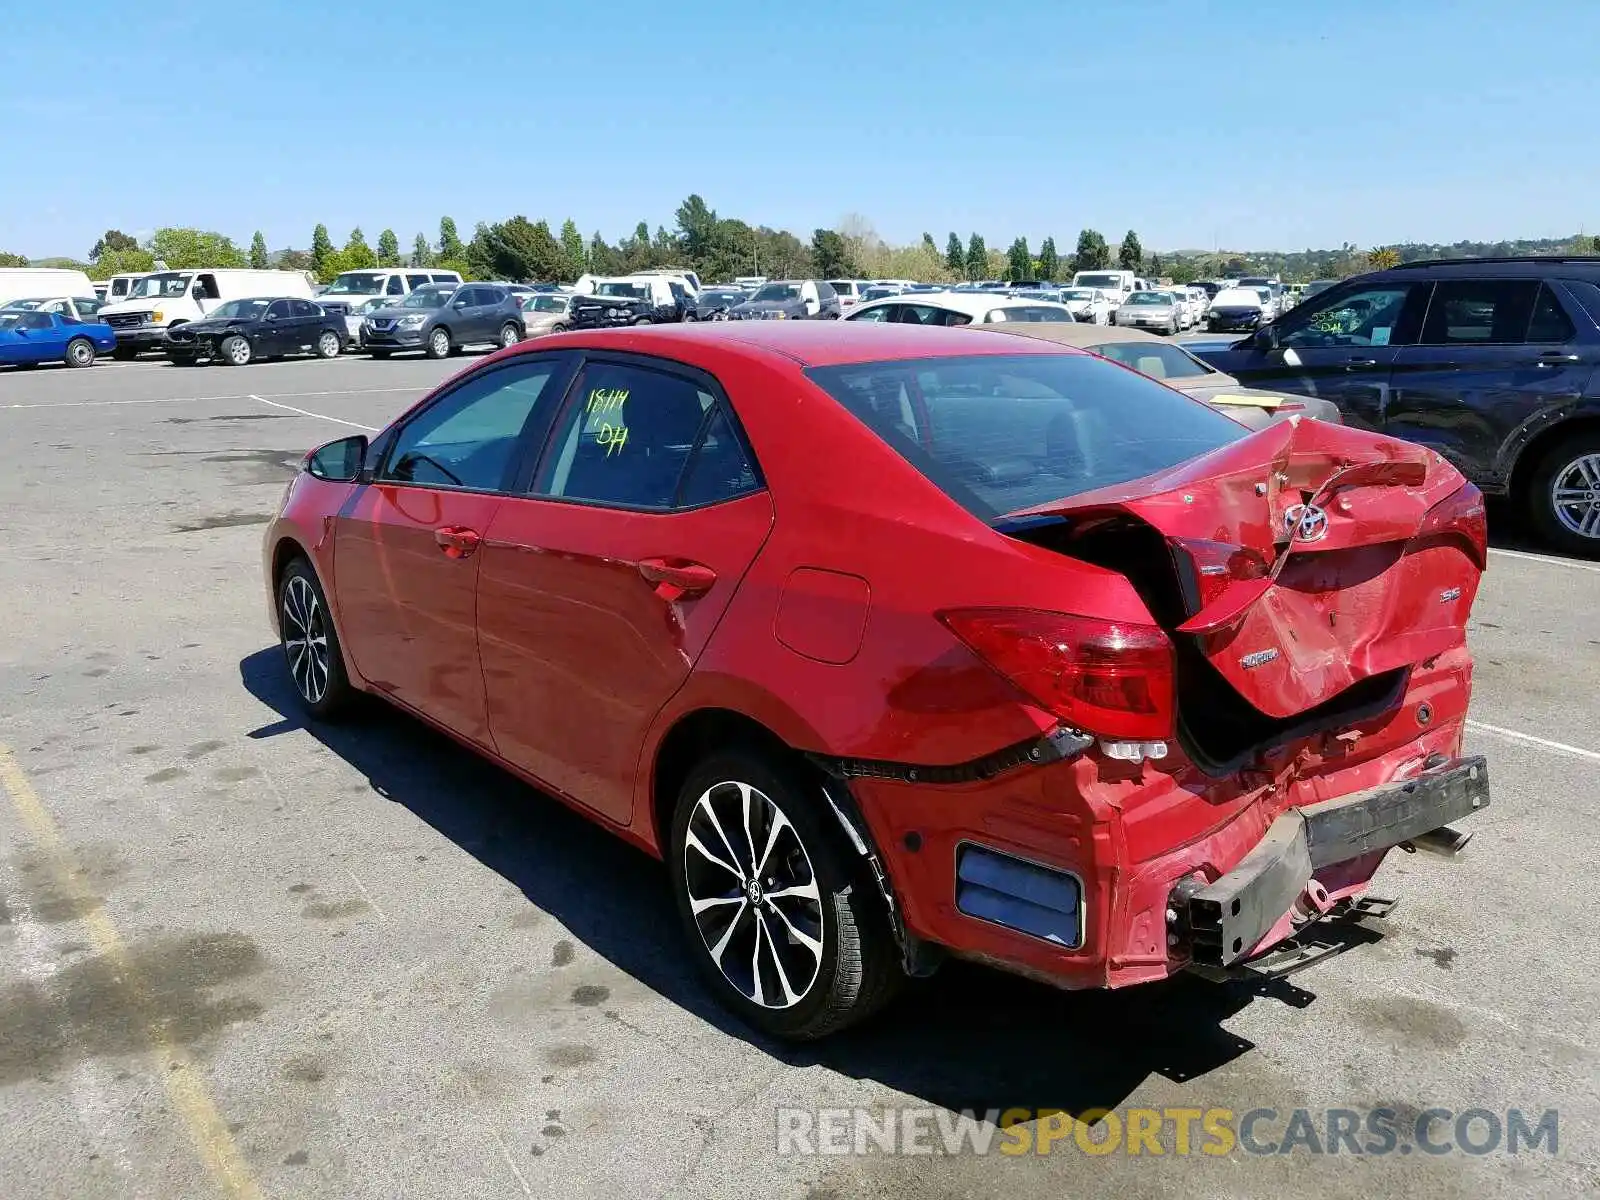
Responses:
[241,331]
[712,304]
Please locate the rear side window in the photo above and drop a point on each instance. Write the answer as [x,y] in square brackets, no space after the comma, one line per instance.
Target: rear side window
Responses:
[1550,322]
[304,308]
[627,436]
[719,468]
[998,433]
[1480,312]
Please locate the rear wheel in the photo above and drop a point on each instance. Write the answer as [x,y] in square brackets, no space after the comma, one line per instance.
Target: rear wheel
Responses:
[310,643]
[1563,494]
[236,351]
[328,344]
[777,910]
[643,321]
[80,353]
[510,335]
[439,343]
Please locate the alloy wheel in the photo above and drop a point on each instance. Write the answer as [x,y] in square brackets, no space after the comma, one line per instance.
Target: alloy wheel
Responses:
[754,895]
[82,353]
[328,345]
[1575,495]
[305,639]
[508,336]
[238,351]
[440,341]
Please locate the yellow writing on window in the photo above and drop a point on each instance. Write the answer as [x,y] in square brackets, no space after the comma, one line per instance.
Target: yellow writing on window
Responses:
[607,399]
[612,437]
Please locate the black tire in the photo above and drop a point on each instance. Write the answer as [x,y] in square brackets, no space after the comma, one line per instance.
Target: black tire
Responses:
[236,351]
[644,321]
[558,328]
[329,344]
[438,343]
[515,334]
[1562,460]
[335,697]
[80,353]
[857,970]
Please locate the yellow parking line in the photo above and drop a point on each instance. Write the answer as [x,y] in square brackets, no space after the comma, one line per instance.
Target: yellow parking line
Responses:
[185,1083]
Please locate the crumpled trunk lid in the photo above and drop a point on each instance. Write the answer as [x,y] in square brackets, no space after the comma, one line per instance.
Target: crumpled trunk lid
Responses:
[1303,556]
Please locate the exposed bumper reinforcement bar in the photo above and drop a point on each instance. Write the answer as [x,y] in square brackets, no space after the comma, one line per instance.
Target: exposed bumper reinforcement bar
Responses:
[1226,920]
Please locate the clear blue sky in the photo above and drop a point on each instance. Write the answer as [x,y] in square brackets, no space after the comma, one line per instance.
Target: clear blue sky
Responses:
[1251,123]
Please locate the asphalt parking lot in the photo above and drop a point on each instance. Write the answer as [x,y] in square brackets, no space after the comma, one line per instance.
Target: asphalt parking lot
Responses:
[243,957]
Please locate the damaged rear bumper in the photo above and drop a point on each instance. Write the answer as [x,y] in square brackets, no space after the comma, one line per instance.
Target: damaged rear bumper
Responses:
[1225,922]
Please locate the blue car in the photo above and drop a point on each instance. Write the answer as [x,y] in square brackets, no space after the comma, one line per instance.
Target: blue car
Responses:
[29,337]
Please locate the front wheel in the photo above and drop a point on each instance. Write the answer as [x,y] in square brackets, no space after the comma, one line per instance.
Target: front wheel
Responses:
[80,353]
[439,343]
[310,643]
[236,351]
[643,321]
[1563,495]
[510,335]
[328,344]
[780,917]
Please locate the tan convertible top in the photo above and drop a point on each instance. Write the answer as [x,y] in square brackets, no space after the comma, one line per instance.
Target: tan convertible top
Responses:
[1074,333]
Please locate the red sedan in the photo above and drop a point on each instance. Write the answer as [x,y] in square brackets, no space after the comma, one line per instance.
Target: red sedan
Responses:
[900,642]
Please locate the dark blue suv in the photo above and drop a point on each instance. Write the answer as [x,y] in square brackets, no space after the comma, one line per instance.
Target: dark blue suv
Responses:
[1490,361]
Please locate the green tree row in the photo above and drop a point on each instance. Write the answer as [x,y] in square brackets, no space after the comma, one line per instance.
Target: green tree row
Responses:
[721,247]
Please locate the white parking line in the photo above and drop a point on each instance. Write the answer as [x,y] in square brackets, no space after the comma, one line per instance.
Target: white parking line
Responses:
[1546,558]
[210,399]
[1518,736]
[320,416]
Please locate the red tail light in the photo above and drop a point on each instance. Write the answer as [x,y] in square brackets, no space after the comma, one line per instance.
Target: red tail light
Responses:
[1216,565]
[1461,514]
[1111,678]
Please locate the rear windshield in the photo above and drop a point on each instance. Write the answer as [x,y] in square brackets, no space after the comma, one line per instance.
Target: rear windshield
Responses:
[998,433]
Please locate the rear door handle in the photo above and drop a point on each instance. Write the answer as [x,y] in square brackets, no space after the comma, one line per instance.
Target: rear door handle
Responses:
[674,578]
[457,541]
[1557,359]
[1359,364]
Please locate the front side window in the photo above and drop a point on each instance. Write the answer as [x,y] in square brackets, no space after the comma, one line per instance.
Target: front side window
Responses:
[304,308]
[626,437]
[239,310]
[1002,433]
[469,438]
[432,296]
[1480,312]
[1369,316]
[877,312]
[165,285]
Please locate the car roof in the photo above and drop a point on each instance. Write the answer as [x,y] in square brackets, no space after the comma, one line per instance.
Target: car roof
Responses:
[973,304]
[806,343]
[1508,267]
[1075,334]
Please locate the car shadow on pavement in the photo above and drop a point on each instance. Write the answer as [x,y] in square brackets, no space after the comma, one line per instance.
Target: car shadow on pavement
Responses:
[968,1038]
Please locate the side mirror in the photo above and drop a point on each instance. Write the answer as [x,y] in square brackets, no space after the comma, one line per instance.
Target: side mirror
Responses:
[459,304]
[1265,338]
[340,461]
[269,316]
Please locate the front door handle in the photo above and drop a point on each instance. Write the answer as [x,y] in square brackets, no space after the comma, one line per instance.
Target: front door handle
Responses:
[457,541]
[1556,359]
[675,578]
[1359,364]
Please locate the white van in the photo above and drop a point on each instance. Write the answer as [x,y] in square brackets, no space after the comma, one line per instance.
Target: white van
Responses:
[350,288]
[1118,285]
[167,298]
[28,283]
[118,287]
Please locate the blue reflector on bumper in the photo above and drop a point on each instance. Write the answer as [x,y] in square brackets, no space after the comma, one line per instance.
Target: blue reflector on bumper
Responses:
[1031,899]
